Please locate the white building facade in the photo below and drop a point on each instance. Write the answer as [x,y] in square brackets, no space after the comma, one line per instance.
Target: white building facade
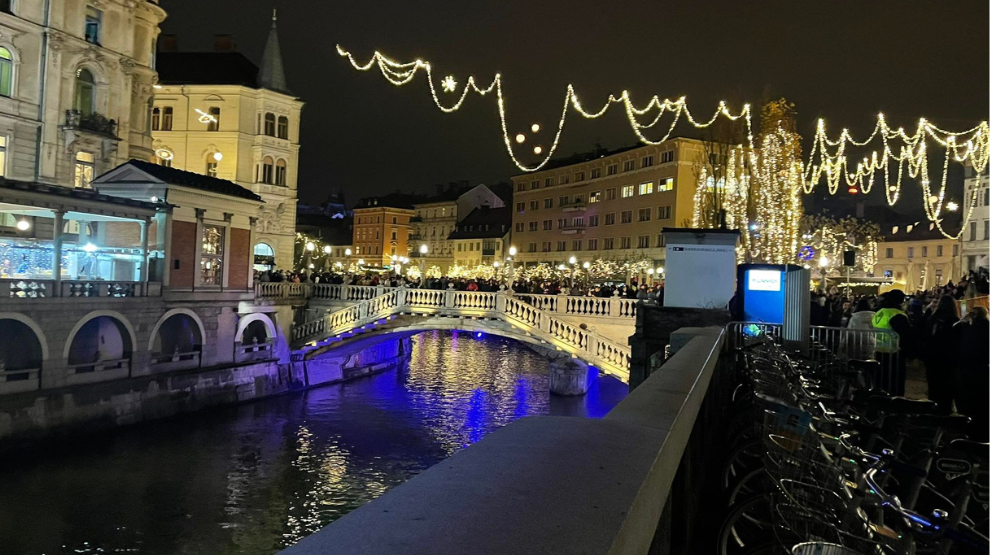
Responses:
[235,122]
[76,77]
[976,235]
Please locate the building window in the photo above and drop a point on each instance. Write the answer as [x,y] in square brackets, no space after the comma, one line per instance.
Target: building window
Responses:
[612,169]
[666,184]
[156,118]
[395,236]
[595,196]
[579,176]
[535,184]
[565,179]
[214,124]
[610,193]
[888,253]
[647,162]
[596,173]
[646,188]
[924,252]
[955,250]
[3,155]
[578,222]
[283,127]
[938,251]
[547,225]
[609,243]
[546,246]
[576,245]
[972,231]
[167,118]
[85,92]
[533,226]
[85,168]
[211,259]
[644,214]
[986,229]
[592,244]
[593,220]
[548,182]
[610,218]
[521,226]
[626,243]
[661,242]
[910,252]
[628,191]
[531,247]
[663,212]
[270,124]
[986,196]
[561,222]
[534,205]
[561,246]
[667,156]
[280,171]
[521,207]
[6,72]
[520,187]
[626,217]
[6,6]
[268,170]
[629,165]
[564,200]
[94,18]
[643,242]
[211,167]
[548,203]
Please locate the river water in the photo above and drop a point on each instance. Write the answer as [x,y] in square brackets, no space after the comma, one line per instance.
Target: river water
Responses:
[254,478]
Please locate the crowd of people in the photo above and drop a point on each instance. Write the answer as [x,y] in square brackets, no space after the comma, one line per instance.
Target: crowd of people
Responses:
[954,349]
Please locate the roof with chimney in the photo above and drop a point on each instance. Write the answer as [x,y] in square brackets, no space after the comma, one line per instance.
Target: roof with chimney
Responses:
[484,223]
[225,67]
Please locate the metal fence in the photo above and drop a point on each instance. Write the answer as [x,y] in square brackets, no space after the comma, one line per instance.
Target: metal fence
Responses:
[840,345]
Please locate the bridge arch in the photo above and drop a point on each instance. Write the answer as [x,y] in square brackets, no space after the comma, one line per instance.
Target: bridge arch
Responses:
[24,344]
[184,327]
[245,322]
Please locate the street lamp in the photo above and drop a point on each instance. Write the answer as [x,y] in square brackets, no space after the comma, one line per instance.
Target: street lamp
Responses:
[327,249]
[587,274]
[347,252]
[423,249]
[310,247]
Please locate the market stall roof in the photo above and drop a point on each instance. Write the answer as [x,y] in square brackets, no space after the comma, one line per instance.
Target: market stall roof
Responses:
[43,200]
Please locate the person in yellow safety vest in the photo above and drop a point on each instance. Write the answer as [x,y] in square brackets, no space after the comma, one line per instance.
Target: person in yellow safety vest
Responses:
[891,318]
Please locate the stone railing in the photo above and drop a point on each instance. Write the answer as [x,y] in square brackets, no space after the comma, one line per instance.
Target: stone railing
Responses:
[593,307]
[640,480]
[45,288]
[576,340]
[320,291]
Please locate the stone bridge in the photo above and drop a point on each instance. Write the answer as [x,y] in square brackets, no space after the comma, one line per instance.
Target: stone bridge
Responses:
[591,329]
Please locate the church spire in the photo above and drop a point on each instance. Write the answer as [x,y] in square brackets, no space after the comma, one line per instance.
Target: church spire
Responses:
[272,73]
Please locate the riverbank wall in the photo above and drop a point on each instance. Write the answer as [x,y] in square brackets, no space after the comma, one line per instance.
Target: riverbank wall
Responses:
[32,416]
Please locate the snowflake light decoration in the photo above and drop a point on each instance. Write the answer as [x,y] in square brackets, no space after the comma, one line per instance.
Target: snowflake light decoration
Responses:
[449,84]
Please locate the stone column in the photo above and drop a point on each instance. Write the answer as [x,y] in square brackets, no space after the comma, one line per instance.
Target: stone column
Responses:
[57,253]
[225,269]
[145,273]
[252,221]
[569,377]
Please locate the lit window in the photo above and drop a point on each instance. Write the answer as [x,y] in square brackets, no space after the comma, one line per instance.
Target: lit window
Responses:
[6,72]
[211,259]
[85,165]
[646,188]
[628,191]
[666,184]
[595,196]
[283,127]
[85,92]
[280,170]
[268,170]
[94,19]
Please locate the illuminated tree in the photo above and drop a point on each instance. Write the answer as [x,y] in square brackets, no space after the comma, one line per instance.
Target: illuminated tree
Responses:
[822,236]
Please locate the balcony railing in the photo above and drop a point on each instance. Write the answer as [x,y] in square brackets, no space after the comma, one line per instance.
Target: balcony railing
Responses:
[94,122]
[45,288]
[575,207]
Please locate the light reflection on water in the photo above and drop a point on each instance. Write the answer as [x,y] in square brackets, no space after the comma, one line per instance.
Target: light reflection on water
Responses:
[254,478]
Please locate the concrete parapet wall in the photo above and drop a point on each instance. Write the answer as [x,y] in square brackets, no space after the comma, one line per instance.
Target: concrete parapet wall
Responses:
[551,484]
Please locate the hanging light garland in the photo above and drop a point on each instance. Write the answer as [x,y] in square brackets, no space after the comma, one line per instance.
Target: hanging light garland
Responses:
[828,159]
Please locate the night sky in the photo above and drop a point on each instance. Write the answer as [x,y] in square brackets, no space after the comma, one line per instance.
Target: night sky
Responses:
[841,60]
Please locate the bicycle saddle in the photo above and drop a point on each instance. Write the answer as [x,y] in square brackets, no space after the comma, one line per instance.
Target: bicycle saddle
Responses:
[972,448]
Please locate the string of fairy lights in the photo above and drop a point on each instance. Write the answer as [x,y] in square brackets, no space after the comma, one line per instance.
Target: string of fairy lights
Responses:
[828,160]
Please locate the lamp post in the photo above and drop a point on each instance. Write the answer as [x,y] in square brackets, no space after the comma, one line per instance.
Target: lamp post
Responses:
[347,253]
[587,274]
[423,249]
[310,247]
[573,262]
[327,249]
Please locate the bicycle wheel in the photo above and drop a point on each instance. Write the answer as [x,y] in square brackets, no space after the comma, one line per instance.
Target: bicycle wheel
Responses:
[742,459]
[757,481]
[748,525]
